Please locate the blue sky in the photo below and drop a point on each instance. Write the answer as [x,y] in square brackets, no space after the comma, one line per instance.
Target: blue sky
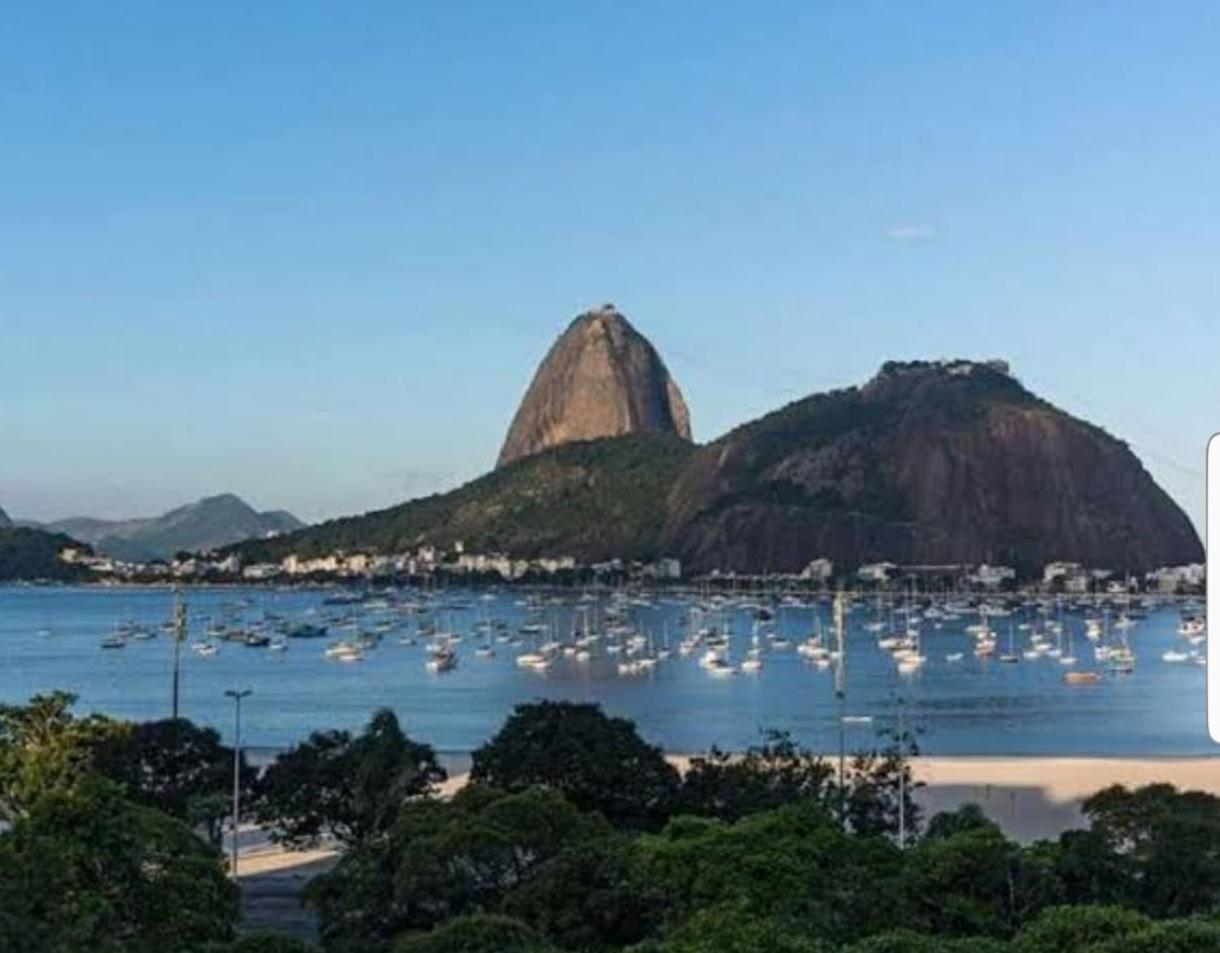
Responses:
[311,254]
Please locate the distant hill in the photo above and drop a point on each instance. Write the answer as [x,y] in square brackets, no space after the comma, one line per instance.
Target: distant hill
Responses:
[929,463]
[5,522]
[208,524]
[597,499]
[27,553]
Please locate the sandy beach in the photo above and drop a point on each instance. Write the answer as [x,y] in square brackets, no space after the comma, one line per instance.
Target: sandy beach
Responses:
[1034,798]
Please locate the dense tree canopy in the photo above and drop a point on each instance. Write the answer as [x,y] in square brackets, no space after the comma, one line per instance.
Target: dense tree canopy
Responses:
[1155,849]
[589,896]
[87,870]
[976,883]
[174,766]
[760,851]
[345,787]
[477,933]
[598,762]
[443,859]
[44,749]
[732,928]
[794,863]
[777,772]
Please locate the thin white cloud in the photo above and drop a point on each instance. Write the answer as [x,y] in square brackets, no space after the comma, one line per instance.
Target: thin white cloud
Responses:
[911,233]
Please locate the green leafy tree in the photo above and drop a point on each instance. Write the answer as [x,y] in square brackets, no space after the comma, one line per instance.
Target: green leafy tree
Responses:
[260,943]
[879,796]
[977,882]
[169,764]
[44,749]
[968,817]
[600,763]
[732,928]
[794,864]
[1154,849]
[588,896]
[1167,936]
[477,933]
[443,859]
[85,869]
[766,776]
[1077,928]
[908,941]
[210,812]
[345,787]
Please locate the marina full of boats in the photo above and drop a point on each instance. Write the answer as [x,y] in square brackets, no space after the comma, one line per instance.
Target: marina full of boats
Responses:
[980,674]
[726,635]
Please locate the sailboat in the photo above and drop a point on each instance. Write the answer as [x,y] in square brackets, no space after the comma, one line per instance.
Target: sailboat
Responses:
[752,663]
[1011,656]
[1070,657]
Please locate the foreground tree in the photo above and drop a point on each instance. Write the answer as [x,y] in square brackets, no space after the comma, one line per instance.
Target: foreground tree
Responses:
[260,943]
[443,859]
[44,749]
[345,787]
[977,882]
[173,766]
[1077,928]
[732,928]
[87,870]
[879,795]
[908,941]
[968,817]
[767,776]
[598,762]
[479,933]
[1154,849]
[1166,936]
[589,896]
[795,865]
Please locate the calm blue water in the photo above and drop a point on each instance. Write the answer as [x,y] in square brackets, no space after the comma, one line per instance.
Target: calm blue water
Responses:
[51,640]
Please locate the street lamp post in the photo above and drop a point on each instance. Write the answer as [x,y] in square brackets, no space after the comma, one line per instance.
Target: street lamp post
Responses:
[237,696]
[179,618]
[840,698]
[902,776]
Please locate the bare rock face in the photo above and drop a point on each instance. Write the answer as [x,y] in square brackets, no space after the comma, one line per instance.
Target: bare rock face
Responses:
[928,463]
[601,378]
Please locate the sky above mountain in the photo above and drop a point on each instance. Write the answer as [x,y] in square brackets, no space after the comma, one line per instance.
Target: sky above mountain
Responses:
[313,253]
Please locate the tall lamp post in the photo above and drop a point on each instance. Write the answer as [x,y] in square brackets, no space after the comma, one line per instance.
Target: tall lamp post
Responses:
[237,695]
[840,697]
[179,622]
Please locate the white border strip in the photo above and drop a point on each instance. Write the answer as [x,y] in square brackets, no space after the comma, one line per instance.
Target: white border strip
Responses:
[1213,587]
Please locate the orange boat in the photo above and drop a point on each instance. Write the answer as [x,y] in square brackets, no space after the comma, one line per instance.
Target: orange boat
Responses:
[1082,678]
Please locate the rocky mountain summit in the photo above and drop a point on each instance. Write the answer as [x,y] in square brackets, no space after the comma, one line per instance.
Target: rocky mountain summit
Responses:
[601,378]
[929,463]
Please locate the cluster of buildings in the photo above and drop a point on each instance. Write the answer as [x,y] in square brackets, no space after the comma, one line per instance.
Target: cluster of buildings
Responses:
[428,561]
[423,562]
[1067,577]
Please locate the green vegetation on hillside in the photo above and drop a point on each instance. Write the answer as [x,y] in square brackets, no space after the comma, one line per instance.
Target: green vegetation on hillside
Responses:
[599,499]
[33,554]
